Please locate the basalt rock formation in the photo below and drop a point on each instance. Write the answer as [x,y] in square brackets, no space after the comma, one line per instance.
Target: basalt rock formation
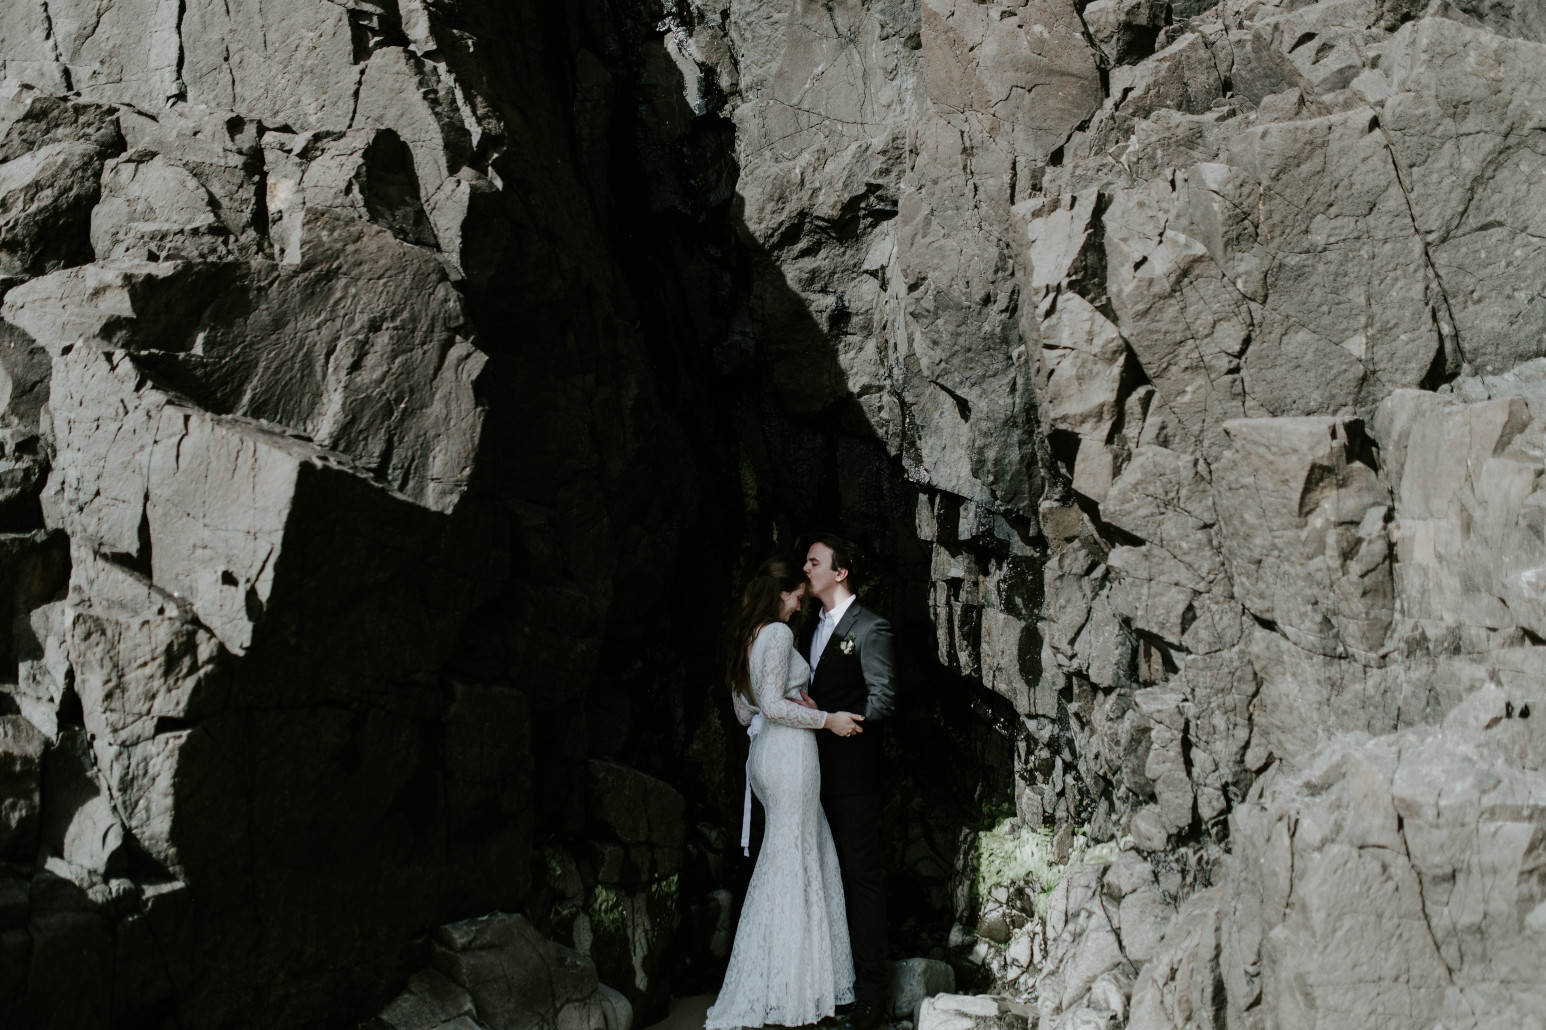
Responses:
[394,392]
[306,622]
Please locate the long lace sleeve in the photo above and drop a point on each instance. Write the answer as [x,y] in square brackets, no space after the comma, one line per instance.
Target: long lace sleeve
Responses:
[775,646]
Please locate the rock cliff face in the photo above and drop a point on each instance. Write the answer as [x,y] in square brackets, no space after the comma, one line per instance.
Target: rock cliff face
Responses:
[394,391]
[1212,341]
[340,469]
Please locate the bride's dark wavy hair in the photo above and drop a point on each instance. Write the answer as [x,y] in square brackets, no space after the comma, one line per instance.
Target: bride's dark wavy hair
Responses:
[761,602]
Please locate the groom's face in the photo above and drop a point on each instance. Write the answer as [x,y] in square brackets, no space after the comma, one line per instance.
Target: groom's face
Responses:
[818,569]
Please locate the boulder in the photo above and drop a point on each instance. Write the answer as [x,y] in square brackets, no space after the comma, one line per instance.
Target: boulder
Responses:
[912,981]
[515,978]
[431,1001]
[619,1013]
[973,1012]
[638,823]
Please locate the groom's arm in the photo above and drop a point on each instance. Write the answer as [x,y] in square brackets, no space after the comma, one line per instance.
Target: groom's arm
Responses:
[877,659]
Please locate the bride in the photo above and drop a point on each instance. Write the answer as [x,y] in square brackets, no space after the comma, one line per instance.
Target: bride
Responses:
[791,963]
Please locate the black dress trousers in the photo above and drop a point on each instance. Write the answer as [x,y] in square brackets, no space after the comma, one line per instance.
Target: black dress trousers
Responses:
[855,822]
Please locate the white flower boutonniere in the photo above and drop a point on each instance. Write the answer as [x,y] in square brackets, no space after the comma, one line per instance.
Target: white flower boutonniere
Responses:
[846,645]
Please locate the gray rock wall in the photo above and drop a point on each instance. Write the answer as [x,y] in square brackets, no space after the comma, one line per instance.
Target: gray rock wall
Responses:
[1209,338]
[340,464]
[1215,280]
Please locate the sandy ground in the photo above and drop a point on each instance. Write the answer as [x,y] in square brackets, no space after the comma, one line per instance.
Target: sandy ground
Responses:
[686,1013]
[689,1013]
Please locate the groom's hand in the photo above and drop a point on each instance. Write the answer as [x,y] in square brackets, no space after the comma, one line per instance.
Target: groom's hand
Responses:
[806,700]
[844,724]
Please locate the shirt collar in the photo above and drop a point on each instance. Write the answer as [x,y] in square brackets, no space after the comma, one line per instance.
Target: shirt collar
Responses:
[837,613]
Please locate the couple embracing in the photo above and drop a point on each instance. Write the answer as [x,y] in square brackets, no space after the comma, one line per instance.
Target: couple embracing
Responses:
[814,709]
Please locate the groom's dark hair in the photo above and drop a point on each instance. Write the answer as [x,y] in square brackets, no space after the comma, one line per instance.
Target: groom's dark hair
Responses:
[845,553]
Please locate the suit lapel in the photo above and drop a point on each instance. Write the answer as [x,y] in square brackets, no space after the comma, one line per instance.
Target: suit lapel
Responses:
[844,625]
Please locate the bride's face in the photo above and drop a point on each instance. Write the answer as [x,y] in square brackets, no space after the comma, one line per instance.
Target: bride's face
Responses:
[792,602]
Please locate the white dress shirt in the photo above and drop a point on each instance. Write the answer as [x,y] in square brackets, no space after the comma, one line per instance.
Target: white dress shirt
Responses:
[824,627]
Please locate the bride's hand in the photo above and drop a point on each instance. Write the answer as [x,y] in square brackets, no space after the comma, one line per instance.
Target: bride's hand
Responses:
[845,724]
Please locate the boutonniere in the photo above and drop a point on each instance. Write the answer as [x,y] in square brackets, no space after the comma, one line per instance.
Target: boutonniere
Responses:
[846,645]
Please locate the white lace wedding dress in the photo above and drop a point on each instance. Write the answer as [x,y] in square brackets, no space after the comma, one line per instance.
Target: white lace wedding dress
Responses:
[791,963]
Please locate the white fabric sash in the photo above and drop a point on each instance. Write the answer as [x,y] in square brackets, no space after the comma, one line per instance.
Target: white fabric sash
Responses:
[746,811]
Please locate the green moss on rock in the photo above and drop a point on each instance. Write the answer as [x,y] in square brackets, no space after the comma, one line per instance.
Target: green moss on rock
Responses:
[1030,858]
[607,915]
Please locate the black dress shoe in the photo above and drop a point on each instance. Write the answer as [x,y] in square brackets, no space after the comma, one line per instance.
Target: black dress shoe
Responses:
[866,1015]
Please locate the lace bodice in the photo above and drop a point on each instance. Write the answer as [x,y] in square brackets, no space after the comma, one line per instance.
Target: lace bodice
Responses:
[778,673]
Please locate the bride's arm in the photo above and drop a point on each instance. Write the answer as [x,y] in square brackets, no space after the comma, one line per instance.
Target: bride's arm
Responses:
[776,644]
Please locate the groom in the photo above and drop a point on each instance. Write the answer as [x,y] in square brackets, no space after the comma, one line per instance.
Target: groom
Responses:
[853,670]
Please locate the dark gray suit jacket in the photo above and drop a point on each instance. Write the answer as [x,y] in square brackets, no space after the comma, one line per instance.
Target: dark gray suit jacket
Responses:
[856,673]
